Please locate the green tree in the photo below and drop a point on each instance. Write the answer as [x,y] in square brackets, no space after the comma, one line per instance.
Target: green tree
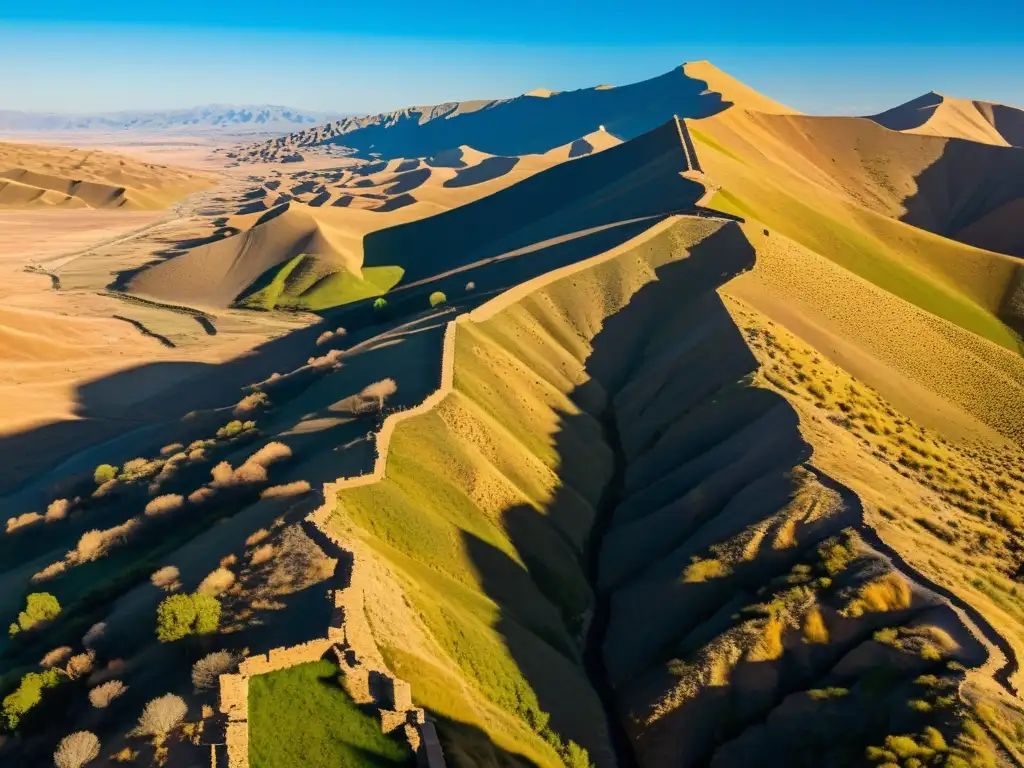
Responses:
[28,694]
[438,299]
[380,305]
[39,606]
[175,617]
[207,614]
[104,473]
[179,616]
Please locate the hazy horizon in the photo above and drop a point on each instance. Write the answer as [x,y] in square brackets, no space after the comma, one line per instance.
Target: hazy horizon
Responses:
[166,56]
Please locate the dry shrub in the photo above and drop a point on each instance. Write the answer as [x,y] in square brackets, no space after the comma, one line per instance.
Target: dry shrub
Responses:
[262,554]
[269,454]
[80,665]
[769,645]
[886,593]
[297,488]
[104,489]
[166,578]
[57,510]
[201,495]
[196,454]
[815,630]
[257,537]
[703,570]
[207,671]
[161,505]
[56,657]
[378,392]
[161,716]
[324,337]
[222,474]
[167,450]
[76,750]
[102,695]
[332,360]
[95,543]
[217,582]
[94,635]
[126,755]
[299,563]
[252,402]
[228,560]
[134,465]
[23,521]
[50,571]
[249,474]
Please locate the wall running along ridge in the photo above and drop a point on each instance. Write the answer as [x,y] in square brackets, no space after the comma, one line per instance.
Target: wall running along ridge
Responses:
[348,638]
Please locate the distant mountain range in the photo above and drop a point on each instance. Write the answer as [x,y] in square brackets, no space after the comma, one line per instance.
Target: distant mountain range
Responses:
[260,118]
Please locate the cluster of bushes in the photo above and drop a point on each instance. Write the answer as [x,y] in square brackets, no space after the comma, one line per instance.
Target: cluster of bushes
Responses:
[39,607]
[28,695]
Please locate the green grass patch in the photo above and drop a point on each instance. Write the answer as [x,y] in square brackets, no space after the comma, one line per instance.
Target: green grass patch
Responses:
[304,282]
[302,716]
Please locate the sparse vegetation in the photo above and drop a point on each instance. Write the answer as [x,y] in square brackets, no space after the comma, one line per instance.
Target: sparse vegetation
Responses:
[76,749]
[103,694]
[161,716]
[207,671]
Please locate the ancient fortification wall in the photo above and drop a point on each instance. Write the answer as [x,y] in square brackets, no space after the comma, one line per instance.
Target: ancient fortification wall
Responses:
[349,639]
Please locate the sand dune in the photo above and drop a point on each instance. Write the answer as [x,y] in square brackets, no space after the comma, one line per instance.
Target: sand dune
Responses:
[530,124]
[934,114]
[326,217]
[40,176]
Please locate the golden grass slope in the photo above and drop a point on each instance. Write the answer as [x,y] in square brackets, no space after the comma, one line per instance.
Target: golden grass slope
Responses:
[934,114]
[740,591]
[43,176]
[852,191]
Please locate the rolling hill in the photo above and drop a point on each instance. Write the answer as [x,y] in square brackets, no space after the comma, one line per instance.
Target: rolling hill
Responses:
[711,454]
[934,114]
[563,204]
[535,122]
[37,176]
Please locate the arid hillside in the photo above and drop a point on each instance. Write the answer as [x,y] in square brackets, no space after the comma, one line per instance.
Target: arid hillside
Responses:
[529,443]
[535,122]
[936,115]
[44,176]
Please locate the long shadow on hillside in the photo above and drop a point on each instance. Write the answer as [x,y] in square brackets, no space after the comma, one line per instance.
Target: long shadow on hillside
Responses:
[972,193]
[530,125]
[649,624]
[711,263]
[635,180]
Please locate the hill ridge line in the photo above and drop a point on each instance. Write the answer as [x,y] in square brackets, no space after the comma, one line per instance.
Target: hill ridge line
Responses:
[349,636]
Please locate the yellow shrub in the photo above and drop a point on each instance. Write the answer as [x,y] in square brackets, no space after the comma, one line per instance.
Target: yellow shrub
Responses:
[815,630]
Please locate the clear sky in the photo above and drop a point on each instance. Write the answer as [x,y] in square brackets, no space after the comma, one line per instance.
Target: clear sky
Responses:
[819,57]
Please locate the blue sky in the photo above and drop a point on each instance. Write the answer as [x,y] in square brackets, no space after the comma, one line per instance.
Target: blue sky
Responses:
[372,56]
